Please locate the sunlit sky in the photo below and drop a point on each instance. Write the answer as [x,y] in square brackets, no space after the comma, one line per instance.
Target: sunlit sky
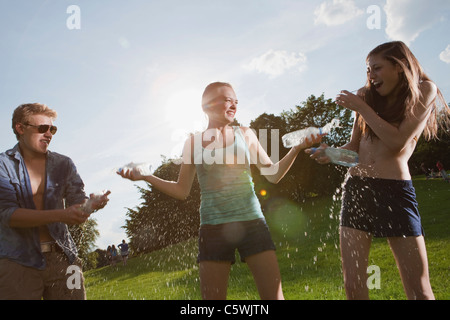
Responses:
[127,83]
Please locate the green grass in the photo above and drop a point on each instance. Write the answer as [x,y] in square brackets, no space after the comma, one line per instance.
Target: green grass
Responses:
[308,253]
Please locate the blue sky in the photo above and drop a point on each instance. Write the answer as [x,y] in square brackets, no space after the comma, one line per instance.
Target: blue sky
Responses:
[127,84]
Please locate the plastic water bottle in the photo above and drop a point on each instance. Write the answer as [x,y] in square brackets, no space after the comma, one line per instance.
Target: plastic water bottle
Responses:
[296,138]
[144,168]
[87,205]
[341,157]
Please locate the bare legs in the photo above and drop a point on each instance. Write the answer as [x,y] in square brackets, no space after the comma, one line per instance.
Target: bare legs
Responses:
[355,246]
[411,258]
[265,270]
[214,279]
[410,255]
[264,267]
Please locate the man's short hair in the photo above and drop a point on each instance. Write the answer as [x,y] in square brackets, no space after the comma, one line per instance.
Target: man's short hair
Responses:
[24,111]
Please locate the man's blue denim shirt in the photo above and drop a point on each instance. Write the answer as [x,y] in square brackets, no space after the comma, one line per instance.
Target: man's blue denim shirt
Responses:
[63,188]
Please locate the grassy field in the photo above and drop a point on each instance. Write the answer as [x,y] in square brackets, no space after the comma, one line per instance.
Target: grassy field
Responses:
[308,252]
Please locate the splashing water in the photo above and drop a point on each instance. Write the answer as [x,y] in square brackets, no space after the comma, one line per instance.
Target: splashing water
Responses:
[143,168]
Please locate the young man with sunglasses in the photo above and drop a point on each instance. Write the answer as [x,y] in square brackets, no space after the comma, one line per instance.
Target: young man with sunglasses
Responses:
[40,194]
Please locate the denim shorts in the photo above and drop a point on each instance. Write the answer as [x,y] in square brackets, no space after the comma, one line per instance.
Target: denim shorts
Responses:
[381,207]
[219,242]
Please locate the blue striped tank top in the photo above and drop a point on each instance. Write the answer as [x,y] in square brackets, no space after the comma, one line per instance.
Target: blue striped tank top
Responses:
[226,184]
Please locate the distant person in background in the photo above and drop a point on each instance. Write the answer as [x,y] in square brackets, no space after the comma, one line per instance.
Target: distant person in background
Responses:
[441,169]
[123,251]
[109,255]
[40,194]
[114,255]
[425,170]
[396,105]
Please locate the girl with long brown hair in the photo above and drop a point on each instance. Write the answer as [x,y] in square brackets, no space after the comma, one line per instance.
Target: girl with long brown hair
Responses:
[398,103]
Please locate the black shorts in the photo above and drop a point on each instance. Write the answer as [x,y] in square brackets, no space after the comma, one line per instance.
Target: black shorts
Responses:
[381,207]
[219,242]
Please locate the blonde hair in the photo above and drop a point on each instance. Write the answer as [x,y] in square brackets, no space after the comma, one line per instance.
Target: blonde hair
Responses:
[23,113]
[210,88]
[409,94]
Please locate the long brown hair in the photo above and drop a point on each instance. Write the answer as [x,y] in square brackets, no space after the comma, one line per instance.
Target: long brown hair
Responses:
[408,94]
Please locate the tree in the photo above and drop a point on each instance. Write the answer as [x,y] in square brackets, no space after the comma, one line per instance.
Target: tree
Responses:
[429,152]
[318,111]
[84,236]
[161,220]
[270,126]
[101,258]
[307,178]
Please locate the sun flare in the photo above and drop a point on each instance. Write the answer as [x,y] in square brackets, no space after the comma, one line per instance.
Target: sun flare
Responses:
[184,115]
[183,111]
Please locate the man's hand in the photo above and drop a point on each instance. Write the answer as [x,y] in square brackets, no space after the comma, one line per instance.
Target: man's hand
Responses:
[74,215]
[99,202]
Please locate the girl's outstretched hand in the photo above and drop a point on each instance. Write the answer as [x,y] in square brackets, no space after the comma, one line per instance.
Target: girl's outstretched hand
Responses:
[130,174]
[312,140]
[319,155]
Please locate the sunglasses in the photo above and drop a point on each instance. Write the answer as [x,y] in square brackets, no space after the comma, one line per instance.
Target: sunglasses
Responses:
[43,128]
